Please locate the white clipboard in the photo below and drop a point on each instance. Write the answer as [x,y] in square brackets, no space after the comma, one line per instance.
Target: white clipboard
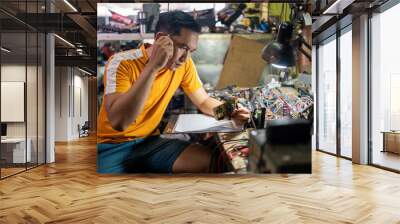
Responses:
[199,123]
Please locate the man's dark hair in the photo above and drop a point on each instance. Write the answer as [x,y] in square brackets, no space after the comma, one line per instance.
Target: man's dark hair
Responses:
[172,22]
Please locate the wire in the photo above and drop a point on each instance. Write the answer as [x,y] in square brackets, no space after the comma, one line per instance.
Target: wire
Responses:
[252,122]
[236,148]
[220,164]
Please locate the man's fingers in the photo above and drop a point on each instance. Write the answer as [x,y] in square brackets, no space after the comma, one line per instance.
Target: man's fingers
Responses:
[169,50]
[240,111]
[160,42]
[169,41]
[164,40]
[166,43]
[169,47]
[241,117]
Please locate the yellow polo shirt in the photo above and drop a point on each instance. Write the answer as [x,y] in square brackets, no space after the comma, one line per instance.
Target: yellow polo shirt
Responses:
[120,74]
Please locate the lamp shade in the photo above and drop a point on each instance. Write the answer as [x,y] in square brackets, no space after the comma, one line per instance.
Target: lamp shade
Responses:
[279,53]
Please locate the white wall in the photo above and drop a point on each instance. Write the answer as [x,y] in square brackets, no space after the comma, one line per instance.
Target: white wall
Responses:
[71,93]
[61,103]
[80,94]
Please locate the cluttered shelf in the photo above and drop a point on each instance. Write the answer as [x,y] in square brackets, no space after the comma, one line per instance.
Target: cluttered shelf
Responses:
[213,17]
[124,36]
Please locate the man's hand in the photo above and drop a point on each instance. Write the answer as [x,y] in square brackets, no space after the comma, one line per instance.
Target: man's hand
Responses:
[241,116]
[163,49]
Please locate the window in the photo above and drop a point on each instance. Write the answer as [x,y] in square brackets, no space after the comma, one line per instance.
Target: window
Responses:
[22,77]
[327,96]
[346,93]
[385,88]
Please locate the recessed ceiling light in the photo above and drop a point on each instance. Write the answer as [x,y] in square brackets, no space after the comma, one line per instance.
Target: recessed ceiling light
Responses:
[64,40]
[86,72]
[70,5]
[5,50]
[338,6]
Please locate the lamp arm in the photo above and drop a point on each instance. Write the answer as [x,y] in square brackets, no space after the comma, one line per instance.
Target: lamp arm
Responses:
[304,42]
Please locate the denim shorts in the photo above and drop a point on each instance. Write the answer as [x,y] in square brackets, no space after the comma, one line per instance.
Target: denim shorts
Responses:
[150,155]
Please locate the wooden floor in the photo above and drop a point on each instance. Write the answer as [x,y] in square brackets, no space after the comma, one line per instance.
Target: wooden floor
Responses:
[5,172]
[70,191]
[387,159]
[10,171]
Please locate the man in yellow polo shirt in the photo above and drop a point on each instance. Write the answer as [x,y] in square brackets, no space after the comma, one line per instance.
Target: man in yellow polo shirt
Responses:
[139,84]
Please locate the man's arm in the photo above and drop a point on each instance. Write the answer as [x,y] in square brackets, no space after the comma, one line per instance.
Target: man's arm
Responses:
[203,101]
[123,108]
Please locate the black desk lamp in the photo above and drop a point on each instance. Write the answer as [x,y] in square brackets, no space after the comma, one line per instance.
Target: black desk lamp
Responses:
[280,53]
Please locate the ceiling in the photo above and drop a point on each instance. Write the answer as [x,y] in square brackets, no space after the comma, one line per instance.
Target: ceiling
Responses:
[76,24]
[332,14]
[19,53]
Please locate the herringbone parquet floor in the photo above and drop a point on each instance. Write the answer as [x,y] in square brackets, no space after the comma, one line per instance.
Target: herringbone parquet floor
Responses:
[70,191]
